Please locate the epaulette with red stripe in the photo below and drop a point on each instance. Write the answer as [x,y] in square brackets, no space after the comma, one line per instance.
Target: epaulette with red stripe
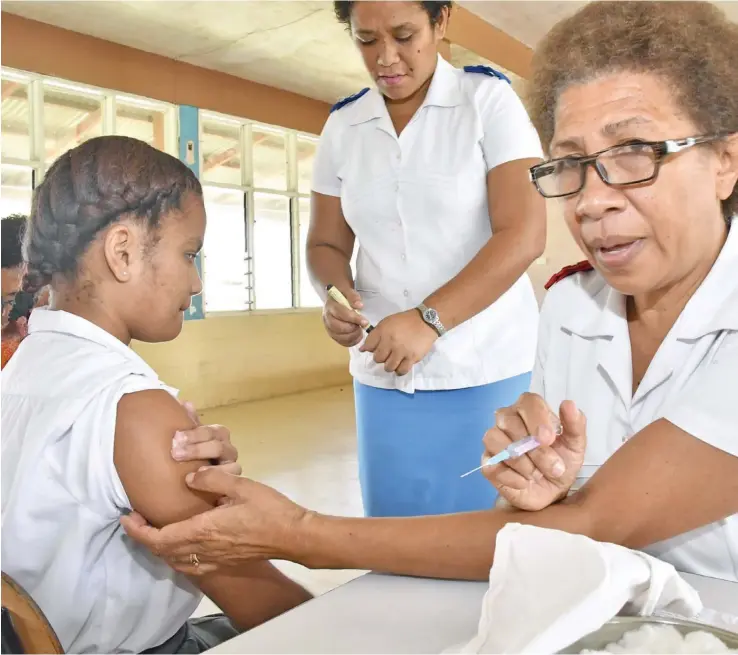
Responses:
[568,271]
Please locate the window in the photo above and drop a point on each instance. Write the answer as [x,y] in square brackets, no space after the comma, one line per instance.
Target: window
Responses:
[146,120]
[17,189]
[225,265]
[43,117]
[16,118]
[222,153]
[270,158]
[272,252]
[256,179]
[19,157]
[71,116]
[308,296]
[306,147]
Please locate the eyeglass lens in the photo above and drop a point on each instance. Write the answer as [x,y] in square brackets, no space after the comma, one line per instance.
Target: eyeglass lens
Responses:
[622,165]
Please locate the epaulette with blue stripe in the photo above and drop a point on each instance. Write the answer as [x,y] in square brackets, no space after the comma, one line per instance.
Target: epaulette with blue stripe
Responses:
[487,70]
[348,100]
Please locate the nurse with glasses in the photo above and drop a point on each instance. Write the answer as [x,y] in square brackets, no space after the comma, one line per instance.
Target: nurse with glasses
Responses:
[625,165]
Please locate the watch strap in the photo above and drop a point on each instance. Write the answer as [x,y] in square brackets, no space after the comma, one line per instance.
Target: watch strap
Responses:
[435,323]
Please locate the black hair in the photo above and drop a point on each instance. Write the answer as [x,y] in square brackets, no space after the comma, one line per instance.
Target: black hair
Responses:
[91,187]
[22,305]
[12,229]
[434,9]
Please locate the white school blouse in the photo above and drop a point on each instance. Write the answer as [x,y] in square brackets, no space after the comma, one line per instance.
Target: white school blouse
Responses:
[417,204]
[584,355]
[62,498]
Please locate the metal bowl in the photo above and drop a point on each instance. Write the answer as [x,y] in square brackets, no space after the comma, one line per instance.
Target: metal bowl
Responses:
[614,630]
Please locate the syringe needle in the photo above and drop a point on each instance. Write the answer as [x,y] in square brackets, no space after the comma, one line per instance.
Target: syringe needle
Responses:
[499,457]
[479,468]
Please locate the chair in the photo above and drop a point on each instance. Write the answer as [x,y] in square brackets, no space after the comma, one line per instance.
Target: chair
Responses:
[30,632]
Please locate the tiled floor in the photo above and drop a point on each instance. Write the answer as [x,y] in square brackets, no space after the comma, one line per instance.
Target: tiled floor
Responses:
[304,446]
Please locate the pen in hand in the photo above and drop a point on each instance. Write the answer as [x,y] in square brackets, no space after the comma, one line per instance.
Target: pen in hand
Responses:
[334,293]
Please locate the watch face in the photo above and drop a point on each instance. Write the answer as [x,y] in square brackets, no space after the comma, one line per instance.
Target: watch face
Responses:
[430,315]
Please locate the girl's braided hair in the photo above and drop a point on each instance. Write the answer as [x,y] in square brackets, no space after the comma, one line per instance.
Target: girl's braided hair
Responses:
[91,187]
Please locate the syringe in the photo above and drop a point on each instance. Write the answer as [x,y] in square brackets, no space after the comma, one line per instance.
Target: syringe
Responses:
[516,449]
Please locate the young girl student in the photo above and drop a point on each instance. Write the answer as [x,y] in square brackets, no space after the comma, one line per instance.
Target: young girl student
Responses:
[87,425]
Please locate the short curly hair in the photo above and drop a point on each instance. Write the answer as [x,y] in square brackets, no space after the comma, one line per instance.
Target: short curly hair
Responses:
[342,9]
[91,187]
[692,45]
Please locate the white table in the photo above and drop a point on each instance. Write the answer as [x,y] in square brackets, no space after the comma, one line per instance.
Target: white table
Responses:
[386,614]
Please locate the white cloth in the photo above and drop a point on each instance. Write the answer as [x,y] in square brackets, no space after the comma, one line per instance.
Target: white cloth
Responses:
[548,589]
[584,355]
[417,204]
[62,498]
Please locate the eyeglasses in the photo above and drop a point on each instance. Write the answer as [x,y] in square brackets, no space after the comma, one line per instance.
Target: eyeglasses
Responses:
[620,166]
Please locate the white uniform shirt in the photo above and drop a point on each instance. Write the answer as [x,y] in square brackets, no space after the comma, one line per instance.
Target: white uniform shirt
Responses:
[584,355]
[62,498]
[418,207]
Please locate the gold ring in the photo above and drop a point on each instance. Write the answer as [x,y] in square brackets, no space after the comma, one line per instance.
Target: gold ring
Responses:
[194,560]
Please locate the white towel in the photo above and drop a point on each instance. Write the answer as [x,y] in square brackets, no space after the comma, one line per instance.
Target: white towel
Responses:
[548,589]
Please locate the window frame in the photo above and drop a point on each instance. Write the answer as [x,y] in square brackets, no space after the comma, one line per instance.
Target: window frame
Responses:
[109,99]
[248,188]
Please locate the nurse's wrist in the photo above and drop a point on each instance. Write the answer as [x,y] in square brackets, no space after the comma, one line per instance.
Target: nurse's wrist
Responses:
[418,313]
[442,313]
[308,542]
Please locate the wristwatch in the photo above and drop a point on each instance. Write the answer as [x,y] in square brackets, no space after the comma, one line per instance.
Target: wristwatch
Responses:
[430,316]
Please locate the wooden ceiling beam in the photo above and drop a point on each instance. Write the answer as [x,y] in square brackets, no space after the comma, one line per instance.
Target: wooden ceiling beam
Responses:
[34,46]
[475,34]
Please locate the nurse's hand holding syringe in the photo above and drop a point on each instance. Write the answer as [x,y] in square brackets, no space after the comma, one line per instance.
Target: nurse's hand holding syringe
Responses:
[543,452]
[515,449]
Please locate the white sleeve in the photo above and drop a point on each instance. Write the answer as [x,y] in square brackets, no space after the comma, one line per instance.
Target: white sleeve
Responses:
[325,171]
[537,384]
[706,408]
[508,131]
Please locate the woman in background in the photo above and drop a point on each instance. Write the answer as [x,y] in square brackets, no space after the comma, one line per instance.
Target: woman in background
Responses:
[13,327]
[428,173]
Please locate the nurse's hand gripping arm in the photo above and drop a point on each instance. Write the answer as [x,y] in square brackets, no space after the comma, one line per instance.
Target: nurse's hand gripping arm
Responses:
[330,245]
[661,483]
[205,442]
[252,592]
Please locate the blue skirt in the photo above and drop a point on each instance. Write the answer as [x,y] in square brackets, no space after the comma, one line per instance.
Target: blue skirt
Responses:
[414,447]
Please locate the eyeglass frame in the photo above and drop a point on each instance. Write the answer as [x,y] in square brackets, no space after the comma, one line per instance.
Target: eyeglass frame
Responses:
[662,149]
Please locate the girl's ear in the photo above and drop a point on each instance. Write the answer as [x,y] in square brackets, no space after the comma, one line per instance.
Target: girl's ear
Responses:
[122,248]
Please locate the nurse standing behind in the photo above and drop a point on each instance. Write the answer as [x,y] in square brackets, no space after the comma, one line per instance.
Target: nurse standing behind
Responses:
[429,172]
